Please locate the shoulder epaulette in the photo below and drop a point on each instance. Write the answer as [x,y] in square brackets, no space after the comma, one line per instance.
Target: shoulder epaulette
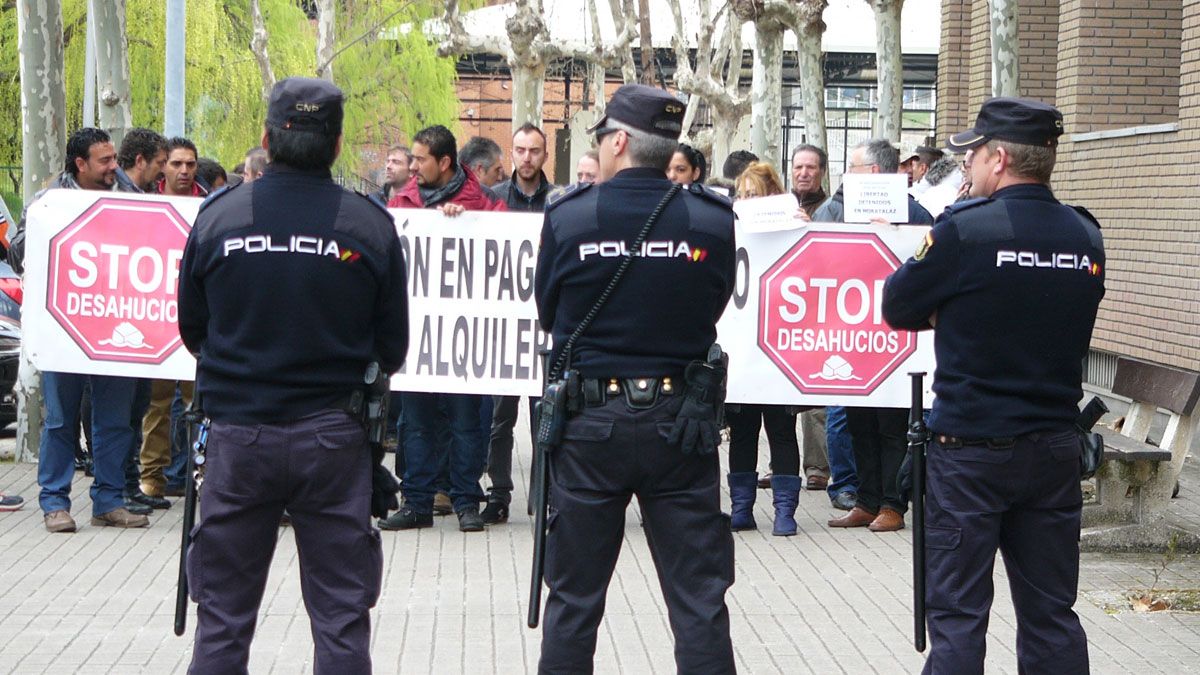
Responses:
[217,194]
[710,194]
[959,207]
[375,201]
[1086,214]
[569,192]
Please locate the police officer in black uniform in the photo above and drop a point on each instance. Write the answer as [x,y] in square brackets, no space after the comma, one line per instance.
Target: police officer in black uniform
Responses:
[1010,282]
[645,422]
[289,287]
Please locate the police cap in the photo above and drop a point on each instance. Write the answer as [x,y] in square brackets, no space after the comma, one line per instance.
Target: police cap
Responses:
[306,104]
[644,108]
[1017,120]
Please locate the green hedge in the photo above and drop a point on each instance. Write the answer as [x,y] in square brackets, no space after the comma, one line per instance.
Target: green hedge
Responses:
[13,202]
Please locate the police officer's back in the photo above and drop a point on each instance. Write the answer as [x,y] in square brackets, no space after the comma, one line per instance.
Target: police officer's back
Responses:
[289,287]
[638,425]
[1011,281]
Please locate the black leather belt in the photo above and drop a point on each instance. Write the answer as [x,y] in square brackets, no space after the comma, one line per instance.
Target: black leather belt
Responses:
[639,392]
[952,442]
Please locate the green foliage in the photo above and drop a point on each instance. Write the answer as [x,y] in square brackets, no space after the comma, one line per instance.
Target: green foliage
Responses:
[395,83]
[393,86]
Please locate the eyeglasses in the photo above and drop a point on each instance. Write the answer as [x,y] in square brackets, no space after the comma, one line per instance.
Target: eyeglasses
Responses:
[602,132]
[859,166]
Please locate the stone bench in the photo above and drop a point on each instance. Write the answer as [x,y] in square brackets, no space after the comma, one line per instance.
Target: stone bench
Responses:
[1137,477]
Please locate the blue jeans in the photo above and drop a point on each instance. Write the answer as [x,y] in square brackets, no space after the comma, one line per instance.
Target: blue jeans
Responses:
[425,418]
[843,477]
[112,438]
[179,443]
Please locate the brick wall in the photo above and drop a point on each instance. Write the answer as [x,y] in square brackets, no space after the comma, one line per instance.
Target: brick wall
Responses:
[953,64]
[1120,59]
[1038,48]
[1121,64]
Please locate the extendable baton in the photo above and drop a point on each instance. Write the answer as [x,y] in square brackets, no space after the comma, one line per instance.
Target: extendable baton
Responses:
[191,492]
[918,436]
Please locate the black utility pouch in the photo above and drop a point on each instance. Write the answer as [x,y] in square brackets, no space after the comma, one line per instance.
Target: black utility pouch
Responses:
[1093,453]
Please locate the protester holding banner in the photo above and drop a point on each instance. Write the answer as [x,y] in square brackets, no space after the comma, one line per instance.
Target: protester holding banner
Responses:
[877,435]
[760,179]
[441,182]
[526,190]
[91,165]
[1010,282]
[285,335]
[644,419]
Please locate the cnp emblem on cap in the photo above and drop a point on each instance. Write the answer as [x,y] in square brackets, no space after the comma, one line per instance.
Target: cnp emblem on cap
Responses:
[644,108]
[306,104]
[1016,120]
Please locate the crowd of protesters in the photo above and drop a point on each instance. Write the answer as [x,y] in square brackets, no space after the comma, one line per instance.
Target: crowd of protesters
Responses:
[133,440]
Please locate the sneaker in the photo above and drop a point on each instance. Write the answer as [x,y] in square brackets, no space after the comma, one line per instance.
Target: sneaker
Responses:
[138,509]
[469,520]
[149,500]
[406,519]
[495,512]
[59,521]
[11,502]
[442,505]
[120,517]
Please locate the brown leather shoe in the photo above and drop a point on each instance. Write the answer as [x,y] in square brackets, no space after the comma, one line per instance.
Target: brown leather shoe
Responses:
[59,521]
[120,517]
[858,517]
[888,520]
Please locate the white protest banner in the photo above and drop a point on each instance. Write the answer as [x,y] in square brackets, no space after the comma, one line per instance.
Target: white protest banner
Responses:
[805,325]
[875,195]
[102,270]
[472,320]
[769,214]
[101,274]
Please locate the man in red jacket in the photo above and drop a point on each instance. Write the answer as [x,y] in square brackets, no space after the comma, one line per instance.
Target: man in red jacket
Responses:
[439,181]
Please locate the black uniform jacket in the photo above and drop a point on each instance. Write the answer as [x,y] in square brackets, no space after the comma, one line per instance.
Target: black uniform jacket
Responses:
[1015,282]
[664,312]
[288,287]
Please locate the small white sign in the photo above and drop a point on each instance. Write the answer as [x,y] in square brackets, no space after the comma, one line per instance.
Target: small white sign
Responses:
[875,195]
[769,214]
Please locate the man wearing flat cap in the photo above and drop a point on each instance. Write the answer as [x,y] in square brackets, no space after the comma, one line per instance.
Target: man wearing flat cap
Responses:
[1010,282]
[645,386]
[289,287]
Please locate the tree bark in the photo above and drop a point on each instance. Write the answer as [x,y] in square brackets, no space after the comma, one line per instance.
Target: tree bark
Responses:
[649,71]
[766,91]
[1006,74]
[325,37]
[258,47]
[719,91]
[809,29]
[43,147]
[112,69]
[623,15]
[890,66]
[527,63]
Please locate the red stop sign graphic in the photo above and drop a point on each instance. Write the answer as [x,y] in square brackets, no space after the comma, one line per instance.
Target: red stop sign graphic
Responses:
[113,277]
[820,314]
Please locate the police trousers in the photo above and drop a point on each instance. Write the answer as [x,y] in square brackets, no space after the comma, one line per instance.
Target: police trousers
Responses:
[319,469]
[1026,501]
[610,453]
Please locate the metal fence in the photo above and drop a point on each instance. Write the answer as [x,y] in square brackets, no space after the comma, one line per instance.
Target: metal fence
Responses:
[845,128]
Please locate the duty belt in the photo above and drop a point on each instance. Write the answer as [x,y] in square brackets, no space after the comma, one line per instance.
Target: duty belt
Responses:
[952,442]
[640,392]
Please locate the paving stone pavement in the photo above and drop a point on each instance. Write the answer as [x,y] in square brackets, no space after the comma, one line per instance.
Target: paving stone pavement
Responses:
[101,600]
